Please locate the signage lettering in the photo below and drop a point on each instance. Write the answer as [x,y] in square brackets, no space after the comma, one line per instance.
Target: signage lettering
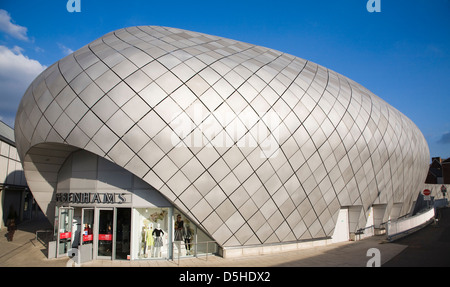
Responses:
[65,235]
[86,197]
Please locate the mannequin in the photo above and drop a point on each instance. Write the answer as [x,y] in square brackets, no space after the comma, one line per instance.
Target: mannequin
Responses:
[143,250]
[158,243]
[149,241]
[179,229]
[188,237]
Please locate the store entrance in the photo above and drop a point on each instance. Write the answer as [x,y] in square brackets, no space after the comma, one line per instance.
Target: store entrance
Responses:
[97,233]
[105,233]
[123,233]
[87,237]
[63,230]
[113,233]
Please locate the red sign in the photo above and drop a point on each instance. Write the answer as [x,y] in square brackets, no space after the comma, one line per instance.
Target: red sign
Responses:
[106,237]
[65,235]
[426,192]
[88,237]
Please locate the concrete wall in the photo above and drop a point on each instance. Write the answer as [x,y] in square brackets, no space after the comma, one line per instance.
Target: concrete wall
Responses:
[12,183]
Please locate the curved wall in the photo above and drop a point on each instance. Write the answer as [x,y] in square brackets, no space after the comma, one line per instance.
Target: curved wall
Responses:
[85,172]
[255,145]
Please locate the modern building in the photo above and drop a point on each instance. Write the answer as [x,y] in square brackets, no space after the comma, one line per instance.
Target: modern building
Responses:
[16,199]
[252,148]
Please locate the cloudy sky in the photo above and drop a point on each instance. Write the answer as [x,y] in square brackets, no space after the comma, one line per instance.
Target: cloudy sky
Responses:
[401,54]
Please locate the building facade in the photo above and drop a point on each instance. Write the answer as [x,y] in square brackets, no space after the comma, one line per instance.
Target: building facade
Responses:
[16,199]
[439,171]
[251,147]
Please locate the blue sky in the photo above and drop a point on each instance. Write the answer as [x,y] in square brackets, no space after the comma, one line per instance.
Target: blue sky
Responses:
[401,54]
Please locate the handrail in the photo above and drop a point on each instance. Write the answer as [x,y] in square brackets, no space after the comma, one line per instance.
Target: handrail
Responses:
[405,225]
[195,246]
[361,229]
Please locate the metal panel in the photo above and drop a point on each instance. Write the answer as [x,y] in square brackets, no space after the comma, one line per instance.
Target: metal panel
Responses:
[191,114]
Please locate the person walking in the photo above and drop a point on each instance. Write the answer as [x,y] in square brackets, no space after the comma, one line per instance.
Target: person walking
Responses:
[11,229]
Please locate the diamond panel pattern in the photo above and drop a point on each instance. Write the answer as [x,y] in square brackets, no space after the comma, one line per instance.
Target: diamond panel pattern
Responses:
[259,146]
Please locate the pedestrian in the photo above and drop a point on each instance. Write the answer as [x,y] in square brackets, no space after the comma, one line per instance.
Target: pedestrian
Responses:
[11,229]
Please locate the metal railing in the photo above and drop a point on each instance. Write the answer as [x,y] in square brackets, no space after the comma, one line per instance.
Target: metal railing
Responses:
[362,231]
[198,249]
[405,225]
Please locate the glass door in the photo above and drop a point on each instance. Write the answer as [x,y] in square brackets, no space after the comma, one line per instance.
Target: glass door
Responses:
[105,233]
[86,247]
[123,233]
[65,218]
[88,226]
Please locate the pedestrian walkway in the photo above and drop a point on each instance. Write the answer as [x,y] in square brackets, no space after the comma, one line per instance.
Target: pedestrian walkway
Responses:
[26,251]
[428,247]
[344,254]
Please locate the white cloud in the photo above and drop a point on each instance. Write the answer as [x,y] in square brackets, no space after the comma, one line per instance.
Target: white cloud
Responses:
[16,31]
[16,74]
[65,50]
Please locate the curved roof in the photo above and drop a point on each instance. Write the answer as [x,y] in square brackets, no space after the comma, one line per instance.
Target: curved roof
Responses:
[255,145]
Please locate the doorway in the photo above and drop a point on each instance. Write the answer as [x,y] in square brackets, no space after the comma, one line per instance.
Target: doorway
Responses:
[104,233]
[113,233]
[87,237]
[341,230]
[105,219]
[63,226]
[123,233]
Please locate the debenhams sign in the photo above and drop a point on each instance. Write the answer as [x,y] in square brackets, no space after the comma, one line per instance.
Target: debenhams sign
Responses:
[93,198]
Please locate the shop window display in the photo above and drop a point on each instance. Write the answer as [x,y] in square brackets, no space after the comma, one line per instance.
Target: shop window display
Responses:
[151,230]
[184,236]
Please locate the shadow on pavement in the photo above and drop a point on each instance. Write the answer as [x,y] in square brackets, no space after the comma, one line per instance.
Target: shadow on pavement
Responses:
[428,247]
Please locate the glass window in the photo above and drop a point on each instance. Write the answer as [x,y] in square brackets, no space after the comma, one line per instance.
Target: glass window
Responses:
[105,232]
[151,233]
[184,235]
[65,230]
[188,239]
[204,244]
[123,233]
[88,225]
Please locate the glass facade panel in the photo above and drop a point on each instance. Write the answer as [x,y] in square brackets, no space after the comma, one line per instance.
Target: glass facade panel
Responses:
[188,239]
[105,232]
[88,225]
[151,233]
[65,230]
[123,230]
[185,235]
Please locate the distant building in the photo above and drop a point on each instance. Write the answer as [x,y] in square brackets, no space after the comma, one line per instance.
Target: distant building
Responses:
[16,199]
[446,171]
[439,171]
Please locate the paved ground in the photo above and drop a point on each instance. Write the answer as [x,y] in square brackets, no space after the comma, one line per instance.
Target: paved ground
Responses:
[429,246]
[433,250]
[351,254]
[26,251]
